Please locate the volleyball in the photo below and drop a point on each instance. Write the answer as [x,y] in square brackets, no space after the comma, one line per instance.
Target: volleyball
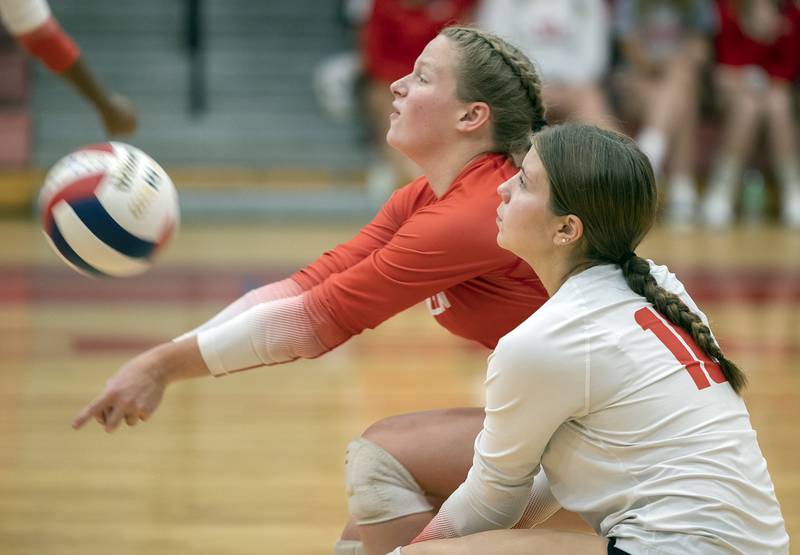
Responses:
[108,209]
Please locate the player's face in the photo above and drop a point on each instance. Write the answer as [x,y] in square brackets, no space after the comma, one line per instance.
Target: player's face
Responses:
[426,109]
[526,224]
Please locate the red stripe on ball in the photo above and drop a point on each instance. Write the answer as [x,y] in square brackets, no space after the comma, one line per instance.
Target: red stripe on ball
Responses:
[76,190]
[99,147]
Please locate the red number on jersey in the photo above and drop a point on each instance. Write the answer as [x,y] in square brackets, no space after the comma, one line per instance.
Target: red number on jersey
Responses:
[685,351]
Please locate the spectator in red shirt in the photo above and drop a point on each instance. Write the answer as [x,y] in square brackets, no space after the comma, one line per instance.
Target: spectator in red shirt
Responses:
[758,58]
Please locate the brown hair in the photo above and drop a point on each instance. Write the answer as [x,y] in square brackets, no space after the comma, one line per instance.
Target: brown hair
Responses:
[493,71]
[603,178]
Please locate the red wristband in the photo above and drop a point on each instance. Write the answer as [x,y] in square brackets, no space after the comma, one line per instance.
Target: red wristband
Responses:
[51,45]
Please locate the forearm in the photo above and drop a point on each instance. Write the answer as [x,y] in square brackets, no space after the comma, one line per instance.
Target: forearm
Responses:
[282,289]
[177,360]
[84,80]
[269,333]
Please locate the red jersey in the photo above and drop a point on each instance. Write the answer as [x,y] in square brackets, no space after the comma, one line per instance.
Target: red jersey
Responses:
[397,31]
[420,247]
[780,58]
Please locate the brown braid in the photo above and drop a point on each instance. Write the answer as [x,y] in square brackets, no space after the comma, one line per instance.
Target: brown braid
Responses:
[637,273]
[493,71]
[605,180]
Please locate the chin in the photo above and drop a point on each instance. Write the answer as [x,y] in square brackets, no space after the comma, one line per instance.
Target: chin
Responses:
[392,141]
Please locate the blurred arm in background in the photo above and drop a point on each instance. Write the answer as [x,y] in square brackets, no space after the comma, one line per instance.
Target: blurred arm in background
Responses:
[37,31]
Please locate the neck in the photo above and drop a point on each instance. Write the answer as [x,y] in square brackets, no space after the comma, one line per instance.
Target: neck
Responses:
[441,169]
[557,270]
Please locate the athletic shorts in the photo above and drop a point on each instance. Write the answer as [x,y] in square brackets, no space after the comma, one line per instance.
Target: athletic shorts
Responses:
[614,550]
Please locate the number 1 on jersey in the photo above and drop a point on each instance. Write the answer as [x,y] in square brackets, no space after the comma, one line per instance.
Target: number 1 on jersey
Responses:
[686,351]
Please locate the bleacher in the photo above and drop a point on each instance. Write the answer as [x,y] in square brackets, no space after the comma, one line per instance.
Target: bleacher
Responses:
[261,111]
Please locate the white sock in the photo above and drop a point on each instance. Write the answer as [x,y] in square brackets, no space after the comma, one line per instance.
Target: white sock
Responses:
[682,188]
[724,177]
[653,143]
[789,176]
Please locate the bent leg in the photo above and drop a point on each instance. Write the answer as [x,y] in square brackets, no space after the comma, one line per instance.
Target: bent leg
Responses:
[435,448]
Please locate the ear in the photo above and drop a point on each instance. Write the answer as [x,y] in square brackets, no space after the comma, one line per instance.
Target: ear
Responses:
[474,116]
[570,230]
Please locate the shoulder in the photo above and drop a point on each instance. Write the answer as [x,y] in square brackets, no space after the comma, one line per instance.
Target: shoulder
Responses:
[549,342]
[465,216]
[406,200]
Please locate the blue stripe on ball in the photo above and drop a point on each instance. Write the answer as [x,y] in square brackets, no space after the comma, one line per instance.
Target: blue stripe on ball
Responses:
[67,252]
[105,228]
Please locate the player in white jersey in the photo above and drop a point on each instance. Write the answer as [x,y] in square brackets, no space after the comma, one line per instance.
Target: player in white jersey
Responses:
[615,387]
[35,29]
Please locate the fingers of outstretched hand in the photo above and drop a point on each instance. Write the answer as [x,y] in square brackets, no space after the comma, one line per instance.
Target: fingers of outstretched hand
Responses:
[114,418]
[96,409]
[109,413]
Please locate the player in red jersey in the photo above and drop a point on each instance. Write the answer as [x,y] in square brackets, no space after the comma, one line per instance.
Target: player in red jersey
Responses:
[36,30]
[468,107]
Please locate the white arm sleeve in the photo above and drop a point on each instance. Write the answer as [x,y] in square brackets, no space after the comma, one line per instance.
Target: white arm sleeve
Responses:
[529,394]
[22,16]
[541,503]
[268,333]
[271,292]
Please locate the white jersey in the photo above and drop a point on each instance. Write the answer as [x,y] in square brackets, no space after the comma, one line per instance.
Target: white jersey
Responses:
[569,40]
[636,429]
[22,16]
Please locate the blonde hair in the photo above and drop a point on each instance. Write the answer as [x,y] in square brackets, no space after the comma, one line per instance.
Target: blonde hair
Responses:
[493,71]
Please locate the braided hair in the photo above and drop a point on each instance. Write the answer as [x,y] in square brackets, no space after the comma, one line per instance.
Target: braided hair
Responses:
[617,219]
[493,71]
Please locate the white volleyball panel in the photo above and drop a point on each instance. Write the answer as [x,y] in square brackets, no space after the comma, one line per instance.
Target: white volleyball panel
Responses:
[91,249]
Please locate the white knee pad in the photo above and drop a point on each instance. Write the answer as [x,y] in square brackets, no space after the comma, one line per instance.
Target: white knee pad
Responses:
[379,488]
[348,547]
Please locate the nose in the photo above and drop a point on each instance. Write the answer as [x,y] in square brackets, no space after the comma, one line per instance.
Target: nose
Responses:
[398,88]
[504,191]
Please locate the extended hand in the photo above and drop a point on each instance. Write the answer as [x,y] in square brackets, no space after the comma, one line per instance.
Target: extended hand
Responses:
[133,393]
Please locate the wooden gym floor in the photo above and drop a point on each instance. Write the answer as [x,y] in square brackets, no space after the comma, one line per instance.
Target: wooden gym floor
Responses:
[252,463]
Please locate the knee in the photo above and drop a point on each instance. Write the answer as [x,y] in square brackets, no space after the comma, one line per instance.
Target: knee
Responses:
[388,430]
[779,103]
[379,488]
[749,107]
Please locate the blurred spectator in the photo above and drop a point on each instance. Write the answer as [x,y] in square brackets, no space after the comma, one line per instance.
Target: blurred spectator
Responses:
[36,30]
[758,55]
[570,43]
[664,45]
[394,34]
